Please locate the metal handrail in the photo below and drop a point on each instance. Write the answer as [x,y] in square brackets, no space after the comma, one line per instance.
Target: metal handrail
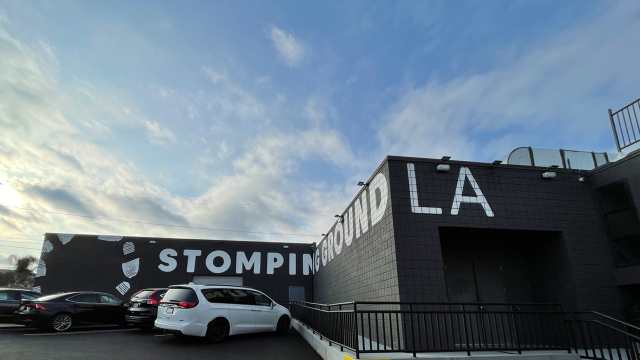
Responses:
[626,126]
[411,330]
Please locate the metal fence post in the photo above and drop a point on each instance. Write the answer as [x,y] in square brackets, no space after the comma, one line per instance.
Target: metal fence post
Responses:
[466,332]
[340,325]
[355,329]
[413,336]
[615,132]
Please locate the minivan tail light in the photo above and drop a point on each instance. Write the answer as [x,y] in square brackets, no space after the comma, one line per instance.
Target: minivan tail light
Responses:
[35,306]
[187,305]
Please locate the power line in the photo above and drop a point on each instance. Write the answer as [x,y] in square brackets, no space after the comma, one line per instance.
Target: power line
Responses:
[165,196]
[155,224]
[20,247]
[16,238]
[18,241]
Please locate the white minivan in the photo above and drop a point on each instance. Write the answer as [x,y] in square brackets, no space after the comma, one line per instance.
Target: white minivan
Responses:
[217,311]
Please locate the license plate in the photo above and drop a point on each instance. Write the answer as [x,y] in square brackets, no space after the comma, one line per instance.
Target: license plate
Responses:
[136,304]
[169,310]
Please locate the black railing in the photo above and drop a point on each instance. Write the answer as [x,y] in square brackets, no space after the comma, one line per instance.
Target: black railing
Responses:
[625,125]
[379,327]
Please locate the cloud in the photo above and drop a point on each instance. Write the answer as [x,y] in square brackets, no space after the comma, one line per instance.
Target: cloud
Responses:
[351,80]
[262,79]
[555,94]
[318,108]
[156,133]
[290,49]
[215,75]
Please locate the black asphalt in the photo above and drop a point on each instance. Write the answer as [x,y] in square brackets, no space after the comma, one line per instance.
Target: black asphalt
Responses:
[114,343]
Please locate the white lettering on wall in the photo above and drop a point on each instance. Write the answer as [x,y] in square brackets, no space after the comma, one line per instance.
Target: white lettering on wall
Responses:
[413,192]
[361,207]
[316,256]
[274,261]
[191,259]
[292,264]
[307,264]
[226,263]
[241,261]
[170,263]
[458,199]
[378,190]
[330,245]
[347,226]
[338,239]
[324,252]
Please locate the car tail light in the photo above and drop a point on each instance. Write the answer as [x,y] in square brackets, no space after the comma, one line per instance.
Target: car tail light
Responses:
[153,301]
[187,305]
[161,302]
[36,306]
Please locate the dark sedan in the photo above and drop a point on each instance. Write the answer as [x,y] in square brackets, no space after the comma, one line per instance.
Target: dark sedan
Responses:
[60,312]
[10,301]
[143,308]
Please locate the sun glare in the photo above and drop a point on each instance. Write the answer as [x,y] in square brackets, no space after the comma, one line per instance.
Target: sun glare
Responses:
[8,195]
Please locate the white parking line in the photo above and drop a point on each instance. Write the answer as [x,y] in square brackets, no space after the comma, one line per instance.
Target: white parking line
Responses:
[79,332]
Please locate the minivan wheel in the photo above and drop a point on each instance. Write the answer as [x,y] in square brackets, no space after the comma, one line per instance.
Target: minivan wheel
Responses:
[217,331]
[61,322]
[283,325]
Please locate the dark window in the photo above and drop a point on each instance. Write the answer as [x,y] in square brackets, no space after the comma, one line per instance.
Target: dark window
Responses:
[110,300]
[86,298]
[9,295]
[158,295]
[218,296]
[260,299]
[178,295]
[144,294]
[240,297]
[28,296]
[621,217]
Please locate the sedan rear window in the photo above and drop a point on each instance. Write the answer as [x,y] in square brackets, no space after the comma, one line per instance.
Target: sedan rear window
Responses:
[178,295]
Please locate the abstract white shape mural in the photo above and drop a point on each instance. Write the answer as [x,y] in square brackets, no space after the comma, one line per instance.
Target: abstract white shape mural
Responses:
[123,287]
[47,246]
[130,268]
[128,248]
[109,238]
[42,268]
[65,238]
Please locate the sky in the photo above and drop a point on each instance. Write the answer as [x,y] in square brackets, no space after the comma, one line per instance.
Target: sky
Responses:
[253,120]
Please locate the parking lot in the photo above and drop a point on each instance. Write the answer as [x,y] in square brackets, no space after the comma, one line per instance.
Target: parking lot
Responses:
[107,342]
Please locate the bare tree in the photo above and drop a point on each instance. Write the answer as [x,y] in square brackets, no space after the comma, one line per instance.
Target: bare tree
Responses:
[23,266]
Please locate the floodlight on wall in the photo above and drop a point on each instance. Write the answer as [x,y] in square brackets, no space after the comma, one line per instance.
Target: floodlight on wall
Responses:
[286,246]
[581,179]
[496,162]
[324,234]
[340,219]
[550,173]
[444,167]
[360,183]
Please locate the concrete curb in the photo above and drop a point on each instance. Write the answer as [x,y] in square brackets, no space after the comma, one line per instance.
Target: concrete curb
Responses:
[333,352]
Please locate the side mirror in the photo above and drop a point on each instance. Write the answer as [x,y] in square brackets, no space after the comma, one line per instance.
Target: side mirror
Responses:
[125,304]
[273,304]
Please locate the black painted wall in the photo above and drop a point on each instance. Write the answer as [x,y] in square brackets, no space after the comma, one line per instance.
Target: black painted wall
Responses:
[520,199]
[365,269]
[87,263]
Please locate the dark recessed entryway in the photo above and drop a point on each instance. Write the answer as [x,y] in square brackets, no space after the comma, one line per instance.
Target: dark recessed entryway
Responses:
[504,266]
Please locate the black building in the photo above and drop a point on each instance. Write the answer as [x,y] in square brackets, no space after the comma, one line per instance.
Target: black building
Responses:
[439,230]
[543,226]
[122,265]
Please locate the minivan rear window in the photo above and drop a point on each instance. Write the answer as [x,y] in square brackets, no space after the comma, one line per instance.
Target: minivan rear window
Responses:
[178,295]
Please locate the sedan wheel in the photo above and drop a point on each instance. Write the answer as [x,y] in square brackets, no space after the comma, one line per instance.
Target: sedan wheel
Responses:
[283,325]
[61,322]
